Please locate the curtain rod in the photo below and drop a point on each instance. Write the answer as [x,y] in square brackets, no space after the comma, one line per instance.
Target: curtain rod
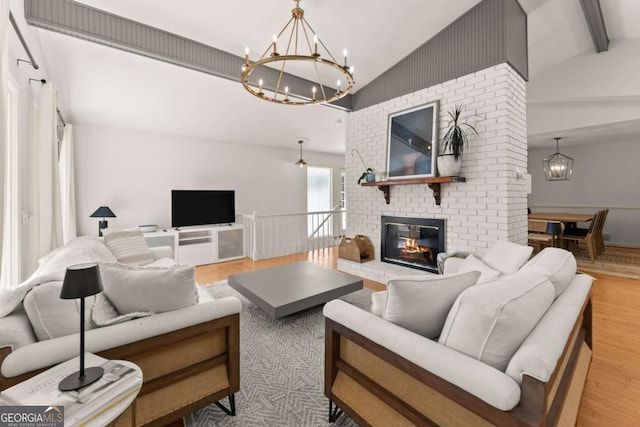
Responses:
[24,43]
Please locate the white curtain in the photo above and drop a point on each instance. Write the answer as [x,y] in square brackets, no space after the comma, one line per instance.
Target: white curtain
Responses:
[67,186]
[46,232]
[4,125]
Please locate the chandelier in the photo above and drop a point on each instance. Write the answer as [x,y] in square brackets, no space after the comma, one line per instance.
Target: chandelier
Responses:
[303,48]
[557,167]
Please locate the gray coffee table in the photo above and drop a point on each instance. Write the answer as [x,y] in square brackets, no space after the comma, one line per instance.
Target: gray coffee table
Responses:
[286,289]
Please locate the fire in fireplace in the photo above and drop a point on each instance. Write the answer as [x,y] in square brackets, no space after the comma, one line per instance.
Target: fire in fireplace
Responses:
[412,242]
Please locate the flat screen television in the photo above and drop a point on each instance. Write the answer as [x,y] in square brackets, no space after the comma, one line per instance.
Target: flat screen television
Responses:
[202,207]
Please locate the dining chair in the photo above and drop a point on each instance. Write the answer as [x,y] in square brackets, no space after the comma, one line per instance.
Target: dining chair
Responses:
[589,239]
[602,217]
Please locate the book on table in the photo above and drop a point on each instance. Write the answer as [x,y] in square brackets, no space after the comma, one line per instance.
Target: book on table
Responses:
[116,384]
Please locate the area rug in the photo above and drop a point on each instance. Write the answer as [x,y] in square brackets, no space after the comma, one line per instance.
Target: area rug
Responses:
[621,262]
[281,368]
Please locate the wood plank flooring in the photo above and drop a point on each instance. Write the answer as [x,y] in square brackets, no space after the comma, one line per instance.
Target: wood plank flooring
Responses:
[612,393]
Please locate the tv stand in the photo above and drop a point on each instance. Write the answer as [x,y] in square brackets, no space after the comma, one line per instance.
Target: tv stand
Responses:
[202,245]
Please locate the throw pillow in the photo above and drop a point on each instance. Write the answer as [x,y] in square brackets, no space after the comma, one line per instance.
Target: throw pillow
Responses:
[471,263]
[133,288]
[129,247]
[491,321]
[421,303]
[378,301]
[103,313]
[556,264]
[52,317]
[507,257]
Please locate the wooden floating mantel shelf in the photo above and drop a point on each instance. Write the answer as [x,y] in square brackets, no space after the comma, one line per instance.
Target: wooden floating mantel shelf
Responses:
[433,182]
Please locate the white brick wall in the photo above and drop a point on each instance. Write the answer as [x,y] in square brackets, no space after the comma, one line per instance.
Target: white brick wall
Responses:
[491,205]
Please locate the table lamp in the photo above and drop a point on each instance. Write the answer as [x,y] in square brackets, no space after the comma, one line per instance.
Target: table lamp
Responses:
[102,212]
[81,281]
[555,229]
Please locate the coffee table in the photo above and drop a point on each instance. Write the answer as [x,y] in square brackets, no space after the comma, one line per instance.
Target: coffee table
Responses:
[290,288]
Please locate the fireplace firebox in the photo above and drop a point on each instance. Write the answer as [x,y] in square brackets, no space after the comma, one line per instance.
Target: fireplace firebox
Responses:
[412,242]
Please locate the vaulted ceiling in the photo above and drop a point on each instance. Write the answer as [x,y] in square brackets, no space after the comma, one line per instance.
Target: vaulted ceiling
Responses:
[110,87]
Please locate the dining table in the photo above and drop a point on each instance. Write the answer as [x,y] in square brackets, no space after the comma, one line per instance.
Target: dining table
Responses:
[568,219]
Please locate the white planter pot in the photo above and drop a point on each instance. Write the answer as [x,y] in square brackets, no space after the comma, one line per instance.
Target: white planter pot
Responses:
[448,166]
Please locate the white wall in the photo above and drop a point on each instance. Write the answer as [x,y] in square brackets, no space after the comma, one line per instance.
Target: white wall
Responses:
[133,172]
[604,176]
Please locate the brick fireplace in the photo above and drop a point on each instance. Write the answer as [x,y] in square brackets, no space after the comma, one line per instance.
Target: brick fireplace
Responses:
[491,205]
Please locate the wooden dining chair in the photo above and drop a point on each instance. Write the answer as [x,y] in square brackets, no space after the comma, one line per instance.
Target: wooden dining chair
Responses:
[602,217]
[589,239]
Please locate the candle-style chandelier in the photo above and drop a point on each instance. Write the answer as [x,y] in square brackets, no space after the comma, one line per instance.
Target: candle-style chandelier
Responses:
[303,47]
[557,167]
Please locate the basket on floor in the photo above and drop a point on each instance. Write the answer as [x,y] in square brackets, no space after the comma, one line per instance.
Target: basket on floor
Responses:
[358,249]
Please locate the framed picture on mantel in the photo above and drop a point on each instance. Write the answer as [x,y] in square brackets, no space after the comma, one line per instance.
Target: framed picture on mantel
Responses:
[411,148]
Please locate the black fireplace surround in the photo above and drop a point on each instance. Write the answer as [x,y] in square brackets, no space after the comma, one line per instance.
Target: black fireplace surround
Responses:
[412,242]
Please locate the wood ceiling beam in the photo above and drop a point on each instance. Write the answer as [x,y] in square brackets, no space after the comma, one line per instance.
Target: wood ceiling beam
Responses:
[595,22]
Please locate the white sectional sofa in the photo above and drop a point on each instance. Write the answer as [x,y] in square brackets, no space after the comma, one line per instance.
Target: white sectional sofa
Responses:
[381,373]
[189,356]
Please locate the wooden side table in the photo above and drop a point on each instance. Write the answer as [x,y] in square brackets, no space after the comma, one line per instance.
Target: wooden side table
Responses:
[109,398]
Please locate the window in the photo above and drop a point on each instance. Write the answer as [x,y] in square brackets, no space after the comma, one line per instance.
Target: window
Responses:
[318,200]
[10,265]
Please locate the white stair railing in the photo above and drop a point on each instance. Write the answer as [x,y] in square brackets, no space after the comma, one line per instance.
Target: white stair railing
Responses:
[273,235]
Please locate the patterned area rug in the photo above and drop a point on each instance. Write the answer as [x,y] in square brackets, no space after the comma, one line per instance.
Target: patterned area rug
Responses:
[281,369]
[614,261]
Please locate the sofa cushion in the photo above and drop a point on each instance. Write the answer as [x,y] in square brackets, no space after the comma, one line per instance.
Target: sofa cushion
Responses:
[507,257]
[103,313]
[471,263]
[421,303]
[129,246]
[490,321]
[133,288]
[557,264]
[52,317]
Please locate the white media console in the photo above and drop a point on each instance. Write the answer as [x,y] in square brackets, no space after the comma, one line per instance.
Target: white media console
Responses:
[201,245]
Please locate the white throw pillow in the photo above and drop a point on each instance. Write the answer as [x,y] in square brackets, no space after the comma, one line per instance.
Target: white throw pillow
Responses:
[491,321]
[507,257]
[378,301]
[556,264]
[129,247]
[132,288]
[471,263]
[53,317]
[103,313]
[421,303]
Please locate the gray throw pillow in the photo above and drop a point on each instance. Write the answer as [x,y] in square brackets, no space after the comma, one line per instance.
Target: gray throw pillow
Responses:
[103,313]
[421,303]
[153,289]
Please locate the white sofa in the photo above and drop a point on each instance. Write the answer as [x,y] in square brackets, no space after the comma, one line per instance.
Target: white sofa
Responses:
[189,356]
[383,374]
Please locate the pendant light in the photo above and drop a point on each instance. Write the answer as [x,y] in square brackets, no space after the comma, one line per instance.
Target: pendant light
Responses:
[301,162]
[558,167]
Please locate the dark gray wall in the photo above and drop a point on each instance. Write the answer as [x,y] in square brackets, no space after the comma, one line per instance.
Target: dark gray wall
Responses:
[493,32]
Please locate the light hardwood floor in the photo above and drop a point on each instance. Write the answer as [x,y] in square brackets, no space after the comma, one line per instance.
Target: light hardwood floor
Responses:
[612,392]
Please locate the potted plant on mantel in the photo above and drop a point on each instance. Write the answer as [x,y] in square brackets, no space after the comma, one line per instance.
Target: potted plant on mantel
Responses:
[368,174]
[453,143]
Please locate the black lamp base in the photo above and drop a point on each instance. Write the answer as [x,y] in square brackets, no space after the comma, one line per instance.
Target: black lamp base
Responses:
[74,381]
